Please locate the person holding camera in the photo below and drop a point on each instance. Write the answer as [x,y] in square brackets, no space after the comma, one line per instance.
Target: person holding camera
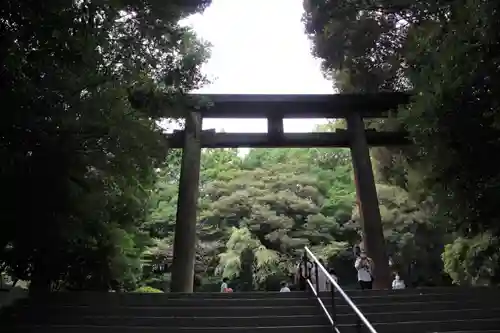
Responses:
[364,266]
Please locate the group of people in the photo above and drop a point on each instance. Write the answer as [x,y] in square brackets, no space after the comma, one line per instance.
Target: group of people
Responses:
[305,270]
[364,266]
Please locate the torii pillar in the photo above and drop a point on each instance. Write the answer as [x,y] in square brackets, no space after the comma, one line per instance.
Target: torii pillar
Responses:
[187,202]
[366,193]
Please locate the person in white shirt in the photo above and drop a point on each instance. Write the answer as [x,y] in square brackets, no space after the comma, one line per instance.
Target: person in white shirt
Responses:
[284,288]
[322,279]
[398,283]
[224,287]
[364,266]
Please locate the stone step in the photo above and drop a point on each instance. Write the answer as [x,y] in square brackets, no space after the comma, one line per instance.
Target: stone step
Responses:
[417,291]
[208,310]
[484,331]
[111,299]
[172,322]
[154,311]
[223,320]
[462,326]
[428,326]
[267,294]
[401,298]
[145,298]
[70,296]
[395,307]
[147,329]
[423,315]
[181,302]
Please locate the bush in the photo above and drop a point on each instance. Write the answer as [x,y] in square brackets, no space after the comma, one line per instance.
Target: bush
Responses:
[148,289]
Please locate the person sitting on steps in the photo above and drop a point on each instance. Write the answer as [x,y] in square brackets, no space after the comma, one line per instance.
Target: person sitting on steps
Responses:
[398,283]
[224,288]
[284,287]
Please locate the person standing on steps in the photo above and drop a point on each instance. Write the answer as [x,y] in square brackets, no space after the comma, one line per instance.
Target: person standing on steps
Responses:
[322,279]
[364,266]
[303,270]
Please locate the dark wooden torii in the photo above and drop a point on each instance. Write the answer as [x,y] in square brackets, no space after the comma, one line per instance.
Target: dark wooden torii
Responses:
[352,107]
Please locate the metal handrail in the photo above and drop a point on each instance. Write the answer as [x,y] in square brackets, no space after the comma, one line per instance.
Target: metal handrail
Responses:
[342,293]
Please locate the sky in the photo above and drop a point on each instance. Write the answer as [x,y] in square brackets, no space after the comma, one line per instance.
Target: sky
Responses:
[258,47]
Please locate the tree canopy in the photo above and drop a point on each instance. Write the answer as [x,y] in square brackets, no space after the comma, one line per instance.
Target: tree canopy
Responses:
[83,81]
[444,53]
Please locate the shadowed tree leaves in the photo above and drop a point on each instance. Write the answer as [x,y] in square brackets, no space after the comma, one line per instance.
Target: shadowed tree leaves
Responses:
[81,156]
[444,51]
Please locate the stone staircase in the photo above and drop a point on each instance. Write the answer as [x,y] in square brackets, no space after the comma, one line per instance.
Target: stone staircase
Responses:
[403,311]
[255,312]
[423,310]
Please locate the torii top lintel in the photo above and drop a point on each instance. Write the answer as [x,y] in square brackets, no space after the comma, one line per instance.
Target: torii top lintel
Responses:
[299,106]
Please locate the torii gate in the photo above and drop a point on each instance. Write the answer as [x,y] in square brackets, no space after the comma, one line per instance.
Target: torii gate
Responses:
[352,107]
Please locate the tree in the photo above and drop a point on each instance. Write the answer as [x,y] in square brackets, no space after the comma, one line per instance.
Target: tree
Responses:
[473,261]
[242,245]
[257,212]
[443,51]
[83,81]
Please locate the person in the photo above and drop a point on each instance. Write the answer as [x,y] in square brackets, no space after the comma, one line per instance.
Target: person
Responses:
[398,283]
[224,285]
[284,287]
[364,266]
[302,273]
[322,279]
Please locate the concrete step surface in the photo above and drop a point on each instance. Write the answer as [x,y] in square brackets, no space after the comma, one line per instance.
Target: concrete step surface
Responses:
[152,311]
[428,310]
[407,327]
[131,299]
[274,299]
[168,322]
[422,315]
[308,307]
[75,297]
[428,326]
[180,302]
[222,320]
[147,329]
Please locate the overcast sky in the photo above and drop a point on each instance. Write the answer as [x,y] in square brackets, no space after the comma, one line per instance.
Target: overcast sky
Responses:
[259,47]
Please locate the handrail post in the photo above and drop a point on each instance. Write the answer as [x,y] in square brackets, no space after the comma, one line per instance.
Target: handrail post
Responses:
[358,325]
[317,277]
[361,319]
[305,267]
[334,310]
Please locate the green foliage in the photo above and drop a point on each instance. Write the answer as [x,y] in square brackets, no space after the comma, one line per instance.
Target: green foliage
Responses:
[257,212]
[473,261]
[84,81]
[242,251]
[147,289]
[444,52]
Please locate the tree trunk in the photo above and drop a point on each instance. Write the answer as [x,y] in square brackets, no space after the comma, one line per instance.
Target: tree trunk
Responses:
[185,227]
[371,223]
